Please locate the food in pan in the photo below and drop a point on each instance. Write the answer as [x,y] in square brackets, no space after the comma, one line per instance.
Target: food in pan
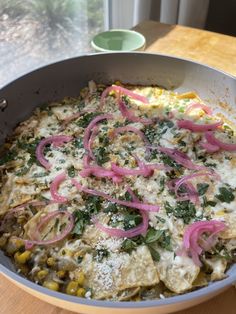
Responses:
[124,193]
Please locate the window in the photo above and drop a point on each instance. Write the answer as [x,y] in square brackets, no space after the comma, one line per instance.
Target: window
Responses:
[36,32]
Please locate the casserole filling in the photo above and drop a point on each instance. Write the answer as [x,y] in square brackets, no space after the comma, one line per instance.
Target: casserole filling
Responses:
[123,193]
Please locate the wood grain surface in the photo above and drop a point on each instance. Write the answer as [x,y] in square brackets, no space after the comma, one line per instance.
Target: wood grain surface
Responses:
[210,48]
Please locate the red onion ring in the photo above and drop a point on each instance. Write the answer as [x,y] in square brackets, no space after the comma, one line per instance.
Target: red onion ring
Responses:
[190,125]
[88,130]
[128,114]
[184,179]
[180,158]
[192,242]
[141,206]
[98,171]
[122,90]
[54,188]
[209,147]
[57,140]
[94,133]
[214,141]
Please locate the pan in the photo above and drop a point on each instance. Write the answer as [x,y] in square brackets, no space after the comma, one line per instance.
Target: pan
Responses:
[53,82]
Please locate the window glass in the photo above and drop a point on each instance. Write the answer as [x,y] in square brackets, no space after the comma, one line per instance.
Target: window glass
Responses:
[36,32]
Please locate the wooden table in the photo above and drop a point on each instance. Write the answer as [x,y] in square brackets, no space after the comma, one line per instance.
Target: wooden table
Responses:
[213,49]
[210,48]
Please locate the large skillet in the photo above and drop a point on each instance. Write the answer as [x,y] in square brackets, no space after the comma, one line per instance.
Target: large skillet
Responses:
[19,98]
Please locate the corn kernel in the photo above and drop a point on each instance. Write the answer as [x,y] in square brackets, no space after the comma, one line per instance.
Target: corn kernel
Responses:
[52,285]
[81,292]
[80,278]
[22,258]
[13,245]
[61,274]
[51,261]
[42,274]
[72,287]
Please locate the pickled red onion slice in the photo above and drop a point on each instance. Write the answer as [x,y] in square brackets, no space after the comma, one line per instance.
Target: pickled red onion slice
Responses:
[56,140]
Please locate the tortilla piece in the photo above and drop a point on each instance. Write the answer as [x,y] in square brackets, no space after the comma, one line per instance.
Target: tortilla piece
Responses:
[62,111]
[177,273]
[45,126]
[92,235]
[218,265]
[119,272]
[13,194]
[230,231]
[31,224]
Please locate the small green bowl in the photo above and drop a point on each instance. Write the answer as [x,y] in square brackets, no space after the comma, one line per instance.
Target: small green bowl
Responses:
[118,40]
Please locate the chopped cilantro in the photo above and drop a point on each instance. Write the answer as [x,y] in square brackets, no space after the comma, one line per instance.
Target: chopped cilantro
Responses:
[154,253]
[153,235]
[158,237]
[93,204]
[185,210]
[210,164]
[71,171]
[22,171]
[78,142]
[170,162]
[226,195]
[82,218]
[202,188]
[101,155]
[111,208]
[160,219]
[207,202]
[132,220]
[101,254]
[162,185]
[154,132]
[126,197]
[9,156]
[104,140]
[128,245]
[84,121]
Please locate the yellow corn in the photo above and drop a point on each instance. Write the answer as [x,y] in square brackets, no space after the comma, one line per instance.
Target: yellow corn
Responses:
[22,258]
[13,245]
[52,285]
[190,95]
[51,261]
[80,278]
[61,274]
[42,274]
[72,287]
[81,292]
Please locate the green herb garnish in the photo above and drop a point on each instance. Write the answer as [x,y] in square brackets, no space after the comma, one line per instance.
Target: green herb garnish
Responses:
[71,171]
[185,210]
[202,188]
[226,195]
[101,155]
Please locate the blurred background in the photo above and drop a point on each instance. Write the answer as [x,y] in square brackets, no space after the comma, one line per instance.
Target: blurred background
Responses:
[36,32]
